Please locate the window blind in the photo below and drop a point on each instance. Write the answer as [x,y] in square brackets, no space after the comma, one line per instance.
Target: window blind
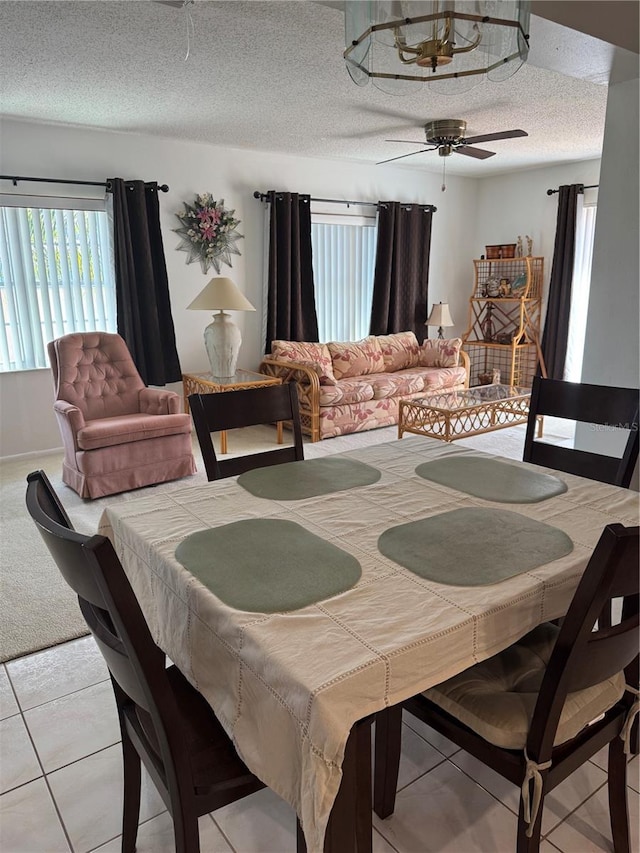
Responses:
[343,267]
[56,277]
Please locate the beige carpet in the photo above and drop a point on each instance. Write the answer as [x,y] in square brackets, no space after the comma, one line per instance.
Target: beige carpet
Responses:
[39,609]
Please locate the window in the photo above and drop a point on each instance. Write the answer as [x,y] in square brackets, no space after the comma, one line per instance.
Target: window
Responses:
[56,276]
[344,253]
[585,231]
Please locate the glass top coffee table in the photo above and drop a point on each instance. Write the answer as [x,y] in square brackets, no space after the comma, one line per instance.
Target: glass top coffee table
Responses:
[458,414]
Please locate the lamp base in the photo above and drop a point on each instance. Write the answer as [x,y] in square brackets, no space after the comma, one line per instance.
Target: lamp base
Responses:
[222,341]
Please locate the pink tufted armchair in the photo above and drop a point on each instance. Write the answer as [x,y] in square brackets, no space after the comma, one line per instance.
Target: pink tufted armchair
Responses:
[117,433]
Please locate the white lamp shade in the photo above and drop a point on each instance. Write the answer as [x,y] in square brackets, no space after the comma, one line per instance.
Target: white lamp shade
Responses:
[219,294]
[440,315]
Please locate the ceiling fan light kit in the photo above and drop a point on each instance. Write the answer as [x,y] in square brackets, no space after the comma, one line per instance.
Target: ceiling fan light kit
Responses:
[450,45]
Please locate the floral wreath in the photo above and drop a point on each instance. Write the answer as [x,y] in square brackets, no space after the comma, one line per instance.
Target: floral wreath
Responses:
[208,232]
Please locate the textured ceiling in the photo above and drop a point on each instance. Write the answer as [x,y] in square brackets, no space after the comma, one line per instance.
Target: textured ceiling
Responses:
[270,76]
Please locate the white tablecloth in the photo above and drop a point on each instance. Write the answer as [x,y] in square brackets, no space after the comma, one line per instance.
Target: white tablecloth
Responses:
[288,687]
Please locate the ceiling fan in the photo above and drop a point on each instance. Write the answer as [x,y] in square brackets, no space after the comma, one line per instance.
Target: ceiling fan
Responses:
[447,136]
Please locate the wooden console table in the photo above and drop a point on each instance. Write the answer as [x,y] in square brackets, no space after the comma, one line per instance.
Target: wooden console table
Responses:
[206,383]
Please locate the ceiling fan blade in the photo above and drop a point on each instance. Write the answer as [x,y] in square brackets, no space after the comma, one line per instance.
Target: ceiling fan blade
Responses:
[408,141]
[478,153]
[422,151]
[489,137]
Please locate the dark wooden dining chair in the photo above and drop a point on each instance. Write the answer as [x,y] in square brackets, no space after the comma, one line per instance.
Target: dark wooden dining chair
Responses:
[164,721]
[600,405]
[235,409]
[544,706]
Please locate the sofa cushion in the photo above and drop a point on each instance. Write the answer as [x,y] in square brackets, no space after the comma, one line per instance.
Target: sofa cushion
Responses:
[356,358]
[440,353]
[443,377]
[346,391]
[399,350]
[395,384]
[312,355]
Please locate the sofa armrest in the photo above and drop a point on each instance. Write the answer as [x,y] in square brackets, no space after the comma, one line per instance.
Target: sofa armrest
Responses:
[156,401]
[308,386]
[464,362]
[70,420]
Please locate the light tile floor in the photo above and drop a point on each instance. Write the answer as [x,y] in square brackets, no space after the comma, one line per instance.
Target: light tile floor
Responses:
[61,787]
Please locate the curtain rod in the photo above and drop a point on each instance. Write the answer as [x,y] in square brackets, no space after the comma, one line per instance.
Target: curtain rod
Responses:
[589,187]
[15,178]
[265,197]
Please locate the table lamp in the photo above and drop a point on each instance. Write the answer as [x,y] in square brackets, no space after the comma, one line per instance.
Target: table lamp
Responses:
[222,338]
[440,316]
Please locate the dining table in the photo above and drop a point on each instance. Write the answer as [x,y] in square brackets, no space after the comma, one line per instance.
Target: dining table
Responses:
[303,598]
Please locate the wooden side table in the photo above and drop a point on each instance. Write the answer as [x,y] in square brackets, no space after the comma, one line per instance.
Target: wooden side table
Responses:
[206,383]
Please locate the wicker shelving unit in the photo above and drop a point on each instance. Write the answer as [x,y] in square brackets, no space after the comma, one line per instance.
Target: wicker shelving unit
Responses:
[504,331]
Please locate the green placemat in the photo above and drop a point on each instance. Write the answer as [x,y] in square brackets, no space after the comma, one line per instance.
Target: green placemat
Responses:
[492,479]
[295,481]
[473,547]
[267,565]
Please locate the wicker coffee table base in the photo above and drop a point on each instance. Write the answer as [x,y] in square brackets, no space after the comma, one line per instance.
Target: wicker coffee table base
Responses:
[449,424]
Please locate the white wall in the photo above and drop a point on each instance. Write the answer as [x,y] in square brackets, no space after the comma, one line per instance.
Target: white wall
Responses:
[614,304]
[513,205]
[26,419]
[612,341]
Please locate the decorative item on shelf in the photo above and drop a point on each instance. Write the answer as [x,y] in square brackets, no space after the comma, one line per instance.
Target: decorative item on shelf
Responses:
[222,338]
[508,250]
[519,285]
[450,46]
[529,246]
[491,377]
[440,316]
[519,249]
[492,286]
[487,325]
[505,287]
[493,253]
[208,232]
[505,337]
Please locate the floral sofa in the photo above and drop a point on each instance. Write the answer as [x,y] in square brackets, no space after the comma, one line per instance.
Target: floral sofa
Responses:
[351,387]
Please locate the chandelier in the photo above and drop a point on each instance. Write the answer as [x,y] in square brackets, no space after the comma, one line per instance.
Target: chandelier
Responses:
[450,45]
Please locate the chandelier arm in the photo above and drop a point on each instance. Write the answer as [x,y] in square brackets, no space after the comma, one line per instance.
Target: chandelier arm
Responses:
[474,44]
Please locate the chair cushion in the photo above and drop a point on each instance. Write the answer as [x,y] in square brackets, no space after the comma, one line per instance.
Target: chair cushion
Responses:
[95,372]
[496,698]
[107,432]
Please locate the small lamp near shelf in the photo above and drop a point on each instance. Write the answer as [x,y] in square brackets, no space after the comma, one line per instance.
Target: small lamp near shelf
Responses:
[440,316]
[222,338]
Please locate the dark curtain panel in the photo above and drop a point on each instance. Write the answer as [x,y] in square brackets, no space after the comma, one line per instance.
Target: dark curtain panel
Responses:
[401,279]
[291,306]
[556,326]
[142,287]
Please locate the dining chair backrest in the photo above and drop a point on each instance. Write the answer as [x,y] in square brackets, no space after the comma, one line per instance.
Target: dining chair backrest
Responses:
[587,653]
[92,569]
[599,405]
[164,721]
[235,409]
